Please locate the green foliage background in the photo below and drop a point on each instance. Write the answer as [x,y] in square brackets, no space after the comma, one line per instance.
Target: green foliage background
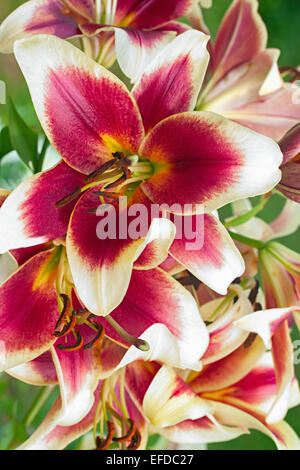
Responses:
[282,18]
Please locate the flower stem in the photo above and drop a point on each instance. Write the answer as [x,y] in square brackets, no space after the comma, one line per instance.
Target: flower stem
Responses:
[247,241]
[242,219]
[39,401]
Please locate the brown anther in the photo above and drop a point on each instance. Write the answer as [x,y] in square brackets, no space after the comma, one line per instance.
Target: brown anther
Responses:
[123,177]
[250,339]
[103,444]
[72,347]
[65,310]
[81,312]
[130,433]
[237,280]
[207,323]
[257,307]
[69,198]
[96,173]
[68,327]
[136,440]
[98,338]
[107,195]
[190,280]
[253,294]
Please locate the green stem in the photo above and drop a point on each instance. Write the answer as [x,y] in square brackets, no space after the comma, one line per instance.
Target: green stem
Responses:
[41,156]
[242,219]
[39,401]
[247,241]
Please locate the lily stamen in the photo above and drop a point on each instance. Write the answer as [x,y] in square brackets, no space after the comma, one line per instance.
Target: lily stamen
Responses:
[130,433]
[73,347]
[69,326]
[98,338]
[103,444]
[137,342]
[136,440]
[69,198]
[65,311]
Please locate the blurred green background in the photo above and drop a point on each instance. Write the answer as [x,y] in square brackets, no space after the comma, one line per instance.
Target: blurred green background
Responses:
[282,18]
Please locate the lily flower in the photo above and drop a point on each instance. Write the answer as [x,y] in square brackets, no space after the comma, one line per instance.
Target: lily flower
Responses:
[132,31]
[54,320]
[245,83]
[279,267]
[224,401]
[148,144]
[239,391]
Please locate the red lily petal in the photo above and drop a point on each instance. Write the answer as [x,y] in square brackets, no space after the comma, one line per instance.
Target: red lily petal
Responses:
[202,158]
[232,46]
[36,17]
[27,327]
[174,330]
[232,368]
[29,217]
[171,82]
[141,14]
[86,111]
[233,412]
[78,372]
[273,114]
[135,49]
[211,255]
[39,371]
[108,262]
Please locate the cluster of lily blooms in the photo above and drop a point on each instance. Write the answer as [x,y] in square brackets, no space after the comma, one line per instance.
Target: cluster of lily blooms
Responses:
[142,335]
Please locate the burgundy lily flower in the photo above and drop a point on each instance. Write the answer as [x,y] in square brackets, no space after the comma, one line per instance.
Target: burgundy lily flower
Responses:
[133,30]
[245,83]
[227,399]
[169,155]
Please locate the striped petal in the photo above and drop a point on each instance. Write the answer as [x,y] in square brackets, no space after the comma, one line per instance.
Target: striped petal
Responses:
[204,430]
[232,46]
[232,368]
[136,49]
[29,217]
[237,413]
[224,335]
[86,112]
[40,371]
[203,159]
[169,400]
[150,14]
[171,82]
[174,330]
[105,260]
[273,114]
[78,373]
[266,322]
[27,327]
[211,256]
[245,83]
[36,17]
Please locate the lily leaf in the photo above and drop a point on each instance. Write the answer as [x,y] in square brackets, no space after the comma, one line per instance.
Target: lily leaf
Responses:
[23,139]
[5,142]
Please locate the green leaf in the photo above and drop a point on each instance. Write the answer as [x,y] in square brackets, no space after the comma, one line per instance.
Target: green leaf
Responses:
[23,139]
[12,171]
[5,142]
